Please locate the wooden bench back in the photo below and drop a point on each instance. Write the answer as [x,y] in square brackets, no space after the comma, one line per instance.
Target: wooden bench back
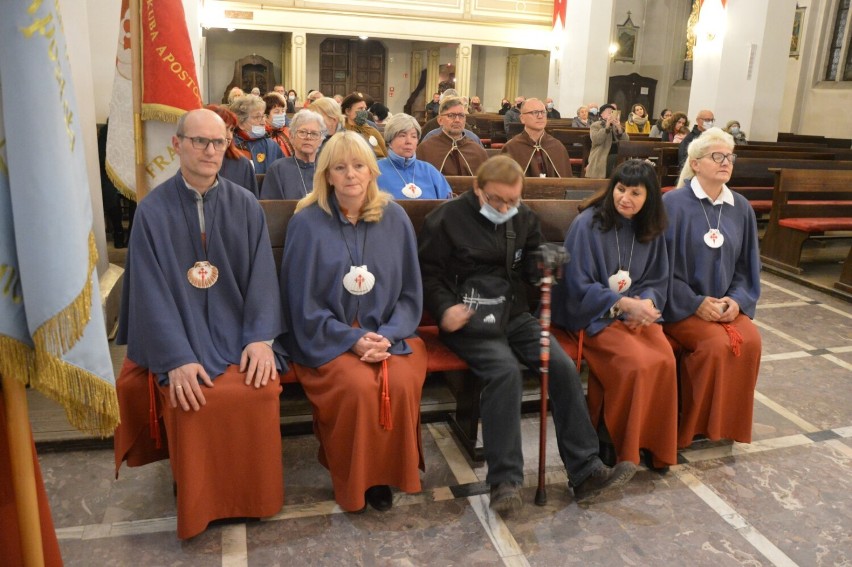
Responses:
[755,172]
[798,193]
[576,188]
[555,217]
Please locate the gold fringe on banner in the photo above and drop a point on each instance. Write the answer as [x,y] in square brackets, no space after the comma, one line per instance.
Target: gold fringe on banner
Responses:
[91,402]
[119,183]
[161,112]
[16,359]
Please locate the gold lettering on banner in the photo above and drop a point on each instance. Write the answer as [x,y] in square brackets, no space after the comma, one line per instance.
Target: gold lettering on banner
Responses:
[44,26]
[159,163]
[152,19]
[12,284]
[175,67]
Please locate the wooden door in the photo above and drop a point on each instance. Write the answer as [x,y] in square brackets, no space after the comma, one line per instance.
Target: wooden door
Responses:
[348,65]
[627,90]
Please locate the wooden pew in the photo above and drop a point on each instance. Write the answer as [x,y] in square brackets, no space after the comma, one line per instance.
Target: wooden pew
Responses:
[805,204]
[574,188]
[555,217]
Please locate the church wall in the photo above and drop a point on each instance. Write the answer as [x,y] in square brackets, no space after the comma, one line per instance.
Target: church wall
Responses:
[533,75]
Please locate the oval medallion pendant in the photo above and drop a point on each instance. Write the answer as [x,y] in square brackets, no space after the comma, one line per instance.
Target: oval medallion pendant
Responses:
[714,238]
[412,191]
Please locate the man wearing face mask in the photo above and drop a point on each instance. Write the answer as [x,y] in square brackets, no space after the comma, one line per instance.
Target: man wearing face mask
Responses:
[250,135]
[513,114]
[489,231]
[551,110]
[594,114]
[703,121]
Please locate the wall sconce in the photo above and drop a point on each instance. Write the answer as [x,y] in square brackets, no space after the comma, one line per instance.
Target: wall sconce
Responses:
[613,49]
[711,20]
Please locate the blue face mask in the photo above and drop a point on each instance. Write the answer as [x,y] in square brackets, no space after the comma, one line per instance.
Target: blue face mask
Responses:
[279,120]
[257,132]
[496,216]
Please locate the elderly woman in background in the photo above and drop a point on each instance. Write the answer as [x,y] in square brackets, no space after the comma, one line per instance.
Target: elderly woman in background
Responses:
[353,298]
[715,284]
[293,177]
[402,174]
[582,118]
[735,130]
[610,300]
[235,166]
[331,115]
[250,135]
[292,101]
[637,121]
[657,128]
[354,108]
[605,133]
[276,122]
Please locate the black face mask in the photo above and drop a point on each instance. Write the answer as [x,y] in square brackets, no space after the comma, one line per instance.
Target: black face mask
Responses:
[507,106]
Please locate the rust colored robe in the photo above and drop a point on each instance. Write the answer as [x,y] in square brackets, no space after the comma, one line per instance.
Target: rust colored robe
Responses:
[459,157]
[530,155]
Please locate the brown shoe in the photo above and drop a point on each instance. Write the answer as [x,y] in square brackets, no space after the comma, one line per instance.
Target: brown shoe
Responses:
[603,479]
[506,498]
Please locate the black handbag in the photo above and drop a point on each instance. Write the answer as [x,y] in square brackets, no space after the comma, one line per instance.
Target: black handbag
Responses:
[489,297]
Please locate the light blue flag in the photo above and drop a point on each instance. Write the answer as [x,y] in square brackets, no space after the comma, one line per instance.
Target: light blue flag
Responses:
[51,249]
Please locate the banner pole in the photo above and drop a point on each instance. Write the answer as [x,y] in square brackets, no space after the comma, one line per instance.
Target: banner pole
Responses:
[136,89]
[23,472]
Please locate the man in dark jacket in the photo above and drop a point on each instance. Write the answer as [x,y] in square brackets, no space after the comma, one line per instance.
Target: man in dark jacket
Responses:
[703,121]
[483,232]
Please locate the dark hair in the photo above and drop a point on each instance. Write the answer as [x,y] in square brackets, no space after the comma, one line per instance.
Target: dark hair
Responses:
[651,220]
[274,100]
[351,100]
[379,110]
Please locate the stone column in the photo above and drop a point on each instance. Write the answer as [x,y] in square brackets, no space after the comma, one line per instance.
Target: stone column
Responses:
[416,69]
[432,72]
[579,56]
[748,56]
[463,63]
[512,74]
[298,63]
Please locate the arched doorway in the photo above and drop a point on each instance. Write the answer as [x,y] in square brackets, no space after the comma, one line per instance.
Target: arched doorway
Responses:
[348,65]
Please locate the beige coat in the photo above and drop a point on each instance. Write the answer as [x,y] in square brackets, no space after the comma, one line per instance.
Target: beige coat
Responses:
[602,139]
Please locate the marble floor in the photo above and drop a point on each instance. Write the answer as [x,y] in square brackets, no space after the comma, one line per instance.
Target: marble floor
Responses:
[785,499]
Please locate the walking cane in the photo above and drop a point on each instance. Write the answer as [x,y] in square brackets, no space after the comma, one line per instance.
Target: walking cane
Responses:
[550,257]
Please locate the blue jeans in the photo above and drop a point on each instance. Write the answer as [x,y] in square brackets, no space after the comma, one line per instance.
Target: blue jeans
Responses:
[494,361]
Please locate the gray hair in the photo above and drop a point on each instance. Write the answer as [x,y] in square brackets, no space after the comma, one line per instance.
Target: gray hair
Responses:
[448,93]
[699,146]
[328,107]
[244,105]
[400,123]
[306,116]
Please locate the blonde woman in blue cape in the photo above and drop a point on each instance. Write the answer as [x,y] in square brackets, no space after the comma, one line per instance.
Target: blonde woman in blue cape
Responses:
[610,298]
[352,295]
[715,284]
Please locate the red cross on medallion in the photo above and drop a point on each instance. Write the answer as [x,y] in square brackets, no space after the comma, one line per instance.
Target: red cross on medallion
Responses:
[621,284]
[359,279]
[202,273]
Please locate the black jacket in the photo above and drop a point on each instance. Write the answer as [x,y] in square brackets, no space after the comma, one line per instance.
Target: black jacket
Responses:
[456,241]
[684,145]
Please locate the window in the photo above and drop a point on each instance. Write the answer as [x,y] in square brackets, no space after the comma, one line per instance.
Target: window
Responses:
[839,39]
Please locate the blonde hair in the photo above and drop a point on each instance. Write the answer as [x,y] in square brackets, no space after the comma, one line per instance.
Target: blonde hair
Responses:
[329,108]
[346,145]
[698,148]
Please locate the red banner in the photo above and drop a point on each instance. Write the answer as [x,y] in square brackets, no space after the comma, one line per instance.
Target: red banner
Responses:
[169,82]
[559,7]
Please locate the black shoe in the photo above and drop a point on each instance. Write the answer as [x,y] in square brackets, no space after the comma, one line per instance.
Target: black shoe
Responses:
[648,461]
[603,479]
[506,498]
[379,497]
[607,454]
[119,241]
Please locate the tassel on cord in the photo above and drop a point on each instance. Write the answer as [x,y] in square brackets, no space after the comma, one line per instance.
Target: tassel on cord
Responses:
[385,411]
[153,422]
[735,337]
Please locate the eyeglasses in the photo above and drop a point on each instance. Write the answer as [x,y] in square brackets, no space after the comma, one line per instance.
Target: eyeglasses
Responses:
[719,157]
[536,113]
[256,117]
[498,203]
[308,135]
[201,143]
[455,116]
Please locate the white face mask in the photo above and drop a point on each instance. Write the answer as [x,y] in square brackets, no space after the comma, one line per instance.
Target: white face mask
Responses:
[291,97]
[593,111]
[279,120]
[258,131]
[549,106]
[496,216]
[708,124]
[735,130]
